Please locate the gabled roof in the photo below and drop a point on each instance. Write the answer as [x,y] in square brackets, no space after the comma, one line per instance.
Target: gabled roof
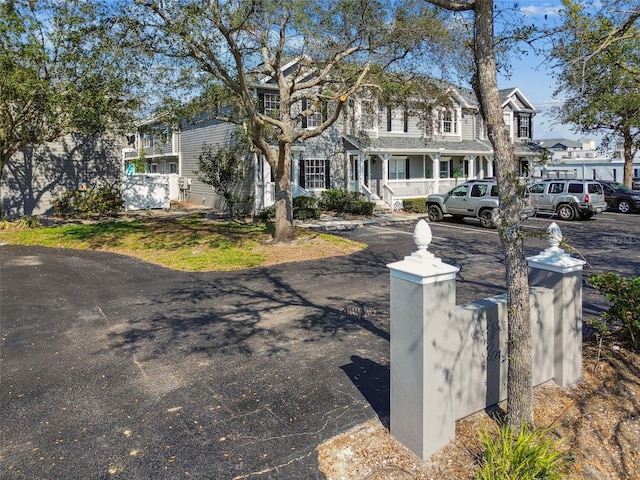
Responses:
[508,97]
[559,143]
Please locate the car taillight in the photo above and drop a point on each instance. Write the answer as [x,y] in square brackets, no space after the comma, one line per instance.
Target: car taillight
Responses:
[586,198]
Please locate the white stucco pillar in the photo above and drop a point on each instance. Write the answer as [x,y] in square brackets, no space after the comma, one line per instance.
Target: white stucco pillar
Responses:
[557,270]
[423,346]
[489,166]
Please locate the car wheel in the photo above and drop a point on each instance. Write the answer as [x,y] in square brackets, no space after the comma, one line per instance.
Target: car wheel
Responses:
[486,219]
[566,212]
[586,215]
[624,206]
[435,214]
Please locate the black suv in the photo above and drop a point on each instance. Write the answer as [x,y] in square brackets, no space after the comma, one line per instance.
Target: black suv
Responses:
[620,197]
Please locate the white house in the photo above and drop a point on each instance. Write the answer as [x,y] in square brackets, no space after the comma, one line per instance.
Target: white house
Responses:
[568,158]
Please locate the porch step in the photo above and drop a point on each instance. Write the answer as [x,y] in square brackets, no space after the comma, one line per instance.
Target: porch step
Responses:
[381,207]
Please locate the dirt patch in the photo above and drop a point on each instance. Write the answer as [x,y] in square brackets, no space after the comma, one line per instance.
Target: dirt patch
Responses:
[598,420]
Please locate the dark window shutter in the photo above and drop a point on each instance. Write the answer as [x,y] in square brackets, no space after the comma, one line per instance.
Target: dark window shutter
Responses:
[406,120]
[305,105]
[389,119]
[261,102]
[301,175]
[327,179]
[407,175]
[517,126]
[531,127]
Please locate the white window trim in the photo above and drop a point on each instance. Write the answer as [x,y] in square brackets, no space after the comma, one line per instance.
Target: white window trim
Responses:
[271,99]
[456,115]
[528,119]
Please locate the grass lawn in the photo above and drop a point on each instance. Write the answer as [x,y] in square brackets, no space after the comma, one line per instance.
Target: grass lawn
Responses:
[190,243]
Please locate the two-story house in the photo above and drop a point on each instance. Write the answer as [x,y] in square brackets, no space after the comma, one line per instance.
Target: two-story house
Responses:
[392,161]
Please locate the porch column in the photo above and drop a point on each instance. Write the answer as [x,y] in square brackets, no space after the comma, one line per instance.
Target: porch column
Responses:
[435,159]
[385,169]
[489,166]
[361,159]
[471,166]
[295,170]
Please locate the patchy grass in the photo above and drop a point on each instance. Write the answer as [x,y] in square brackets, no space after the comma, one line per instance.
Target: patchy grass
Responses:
[189,243]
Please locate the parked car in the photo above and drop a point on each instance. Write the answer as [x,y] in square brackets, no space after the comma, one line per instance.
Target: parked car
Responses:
[620,197]
[569,199]
[474,199]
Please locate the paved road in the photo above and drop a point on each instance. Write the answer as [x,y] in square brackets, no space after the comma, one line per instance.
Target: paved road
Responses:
[112,368]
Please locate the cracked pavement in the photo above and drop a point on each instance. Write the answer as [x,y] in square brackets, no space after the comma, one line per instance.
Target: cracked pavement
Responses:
[113,368]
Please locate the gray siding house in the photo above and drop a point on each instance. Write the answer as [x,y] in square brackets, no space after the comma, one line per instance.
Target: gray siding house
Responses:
[36,174]
[392,161]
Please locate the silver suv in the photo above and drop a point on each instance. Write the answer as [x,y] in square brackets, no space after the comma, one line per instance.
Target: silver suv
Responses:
[475,199]
[569,199]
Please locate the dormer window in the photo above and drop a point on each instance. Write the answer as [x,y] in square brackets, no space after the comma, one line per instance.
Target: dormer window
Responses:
[448,122]
[524,126]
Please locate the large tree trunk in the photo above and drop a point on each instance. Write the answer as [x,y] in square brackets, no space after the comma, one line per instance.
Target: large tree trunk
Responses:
[284,196]
[519,382]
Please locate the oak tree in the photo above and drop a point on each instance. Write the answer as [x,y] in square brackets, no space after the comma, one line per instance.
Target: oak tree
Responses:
[316,54]
[62,72]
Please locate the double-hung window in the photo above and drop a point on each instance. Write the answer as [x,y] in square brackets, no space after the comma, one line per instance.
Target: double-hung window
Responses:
[271,104]
[397,169]
[315,119]
[524,127]
[444,169]
[448,122]
[313,173]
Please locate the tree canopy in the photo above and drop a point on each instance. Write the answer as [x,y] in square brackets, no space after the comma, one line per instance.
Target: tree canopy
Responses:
[62,72]
[597,69]
[316,55]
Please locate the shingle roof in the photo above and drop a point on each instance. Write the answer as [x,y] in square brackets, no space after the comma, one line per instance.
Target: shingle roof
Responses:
[401,145]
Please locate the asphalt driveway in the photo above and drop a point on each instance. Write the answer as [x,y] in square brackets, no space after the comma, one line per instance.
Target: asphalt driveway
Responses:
[113,368]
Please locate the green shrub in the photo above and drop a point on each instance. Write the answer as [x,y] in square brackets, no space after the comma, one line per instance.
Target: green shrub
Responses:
[346,202]
[530,455]
[332,200]
[306,207]
[268,213]
[624,296]
[305,213]
[305,202]
[28,221]
[414,205]
[359,207]
[102,201]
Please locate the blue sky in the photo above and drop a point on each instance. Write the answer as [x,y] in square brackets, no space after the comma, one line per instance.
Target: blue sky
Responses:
[531,74]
